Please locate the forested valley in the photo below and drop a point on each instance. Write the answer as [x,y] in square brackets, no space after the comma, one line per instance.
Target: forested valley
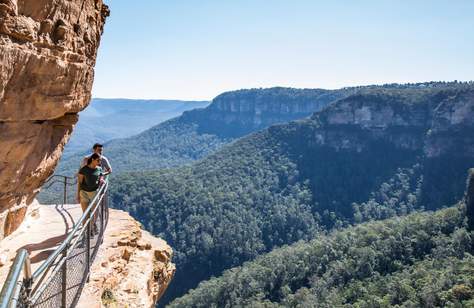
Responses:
[199,132]
[420,260]
[381,152]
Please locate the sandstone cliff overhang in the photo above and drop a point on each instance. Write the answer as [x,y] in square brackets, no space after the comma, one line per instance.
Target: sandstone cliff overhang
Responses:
[47,55]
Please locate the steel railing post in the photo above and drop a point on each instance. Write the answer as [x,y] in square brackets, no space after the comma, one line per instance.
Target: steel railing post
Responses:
[88,248]
[106,207]
[64,280]
[102,210]
[25,288]
[12,288]
[65,191]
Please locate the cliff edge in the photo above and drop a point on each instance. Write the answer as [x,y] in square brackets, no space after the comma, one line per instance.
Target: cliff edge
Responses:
[47,55]
[132,268]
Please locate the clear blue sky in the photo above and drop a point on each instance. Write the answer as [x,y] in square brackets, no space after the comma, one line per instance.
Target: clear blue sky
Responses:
[196,49]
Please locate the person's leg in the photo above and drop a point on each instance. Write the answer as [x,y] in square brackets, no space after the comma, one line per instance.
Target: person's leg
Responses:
[84,202]
[94,228]
[86,198]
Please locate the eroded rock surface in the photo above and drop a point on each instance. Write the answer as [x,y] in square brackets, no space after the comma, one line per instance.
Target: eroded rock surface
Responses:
[436,123]
[132,268]
[47,54]
[237,113]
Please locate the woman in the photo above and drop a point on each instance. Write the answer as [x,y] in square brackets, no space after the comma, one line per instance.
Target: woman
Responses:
[88,181]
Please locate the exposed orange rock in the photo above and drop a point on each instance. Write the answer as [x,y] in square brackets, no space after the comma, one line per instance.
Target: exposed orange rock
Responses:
[47,55]
[48,50]
[132,268]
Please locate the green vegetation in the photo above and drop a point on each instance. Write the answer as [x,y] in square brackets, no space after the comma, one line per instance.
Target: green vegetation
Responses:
[422,260]
[280,185]
[470,200]
[290,182]
[196,133]
[238,113]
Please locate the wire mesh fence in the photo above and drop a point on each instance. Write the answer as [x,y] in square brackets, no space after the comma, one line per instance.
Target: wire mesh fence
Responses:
[59,281]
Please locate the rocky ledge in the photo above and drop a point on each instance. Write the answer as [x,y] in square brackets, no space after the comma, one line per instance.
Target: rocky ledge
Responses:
[132,268]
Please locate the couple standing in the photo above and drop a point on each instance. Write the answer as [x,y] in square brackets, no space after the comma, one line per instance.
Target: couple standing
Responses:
[90,175]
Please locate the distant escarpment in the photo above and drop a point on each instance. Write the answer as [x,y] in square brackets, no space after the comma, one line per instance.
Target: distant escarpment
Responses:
[197,133]
[434,128]
[381,152]
[47,55]
[238,113]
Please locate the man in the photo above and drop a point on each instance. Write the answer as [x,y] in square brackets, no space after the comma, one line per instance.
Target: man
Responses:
[104,162]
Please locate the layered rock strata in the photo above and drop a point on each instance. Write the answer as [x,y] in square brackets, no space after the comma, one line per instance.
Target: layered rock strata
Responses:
[436,124]
[428,127]
[237,113]
[47,54]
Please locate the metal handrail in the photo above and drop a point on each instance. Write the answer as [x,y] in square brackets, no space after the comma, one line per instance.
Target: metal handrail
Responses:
[11,288]
[15,287]
[71,235]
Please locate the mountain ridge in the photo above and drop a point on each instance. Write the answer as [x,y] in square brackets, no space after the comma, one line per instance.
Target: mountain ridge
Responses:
[104,119]
[199,132]
[293,181]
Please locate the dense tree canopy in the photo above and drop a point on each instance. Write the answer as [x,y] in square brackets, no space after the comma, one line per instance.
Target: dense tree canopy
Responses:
[281,185]
[278,186]
[422,260]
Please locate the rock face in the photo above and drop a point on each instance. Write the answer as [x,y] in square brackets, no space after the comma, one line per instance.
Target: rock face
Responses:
[432,127]
[237,113]
[132,268]
[452,126]
[47,55]
[434,123]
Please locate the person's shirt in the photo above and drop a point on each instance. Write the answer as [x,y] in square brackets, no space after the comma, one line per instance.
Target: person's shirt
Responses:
[91,179]
[104,163]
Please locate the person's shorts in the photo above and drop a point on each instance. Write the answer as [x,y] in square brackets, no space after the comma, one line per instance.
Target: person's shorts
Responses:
[87,196]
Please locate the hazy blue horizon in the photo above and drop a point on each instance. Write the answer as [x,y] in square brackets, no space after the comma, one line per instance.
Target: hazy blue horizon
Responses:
[195,50]
[210,99]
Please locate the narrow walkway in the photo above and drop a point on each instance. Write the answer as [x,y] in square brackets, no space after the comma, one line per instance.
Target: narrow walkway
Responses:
[43,230]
